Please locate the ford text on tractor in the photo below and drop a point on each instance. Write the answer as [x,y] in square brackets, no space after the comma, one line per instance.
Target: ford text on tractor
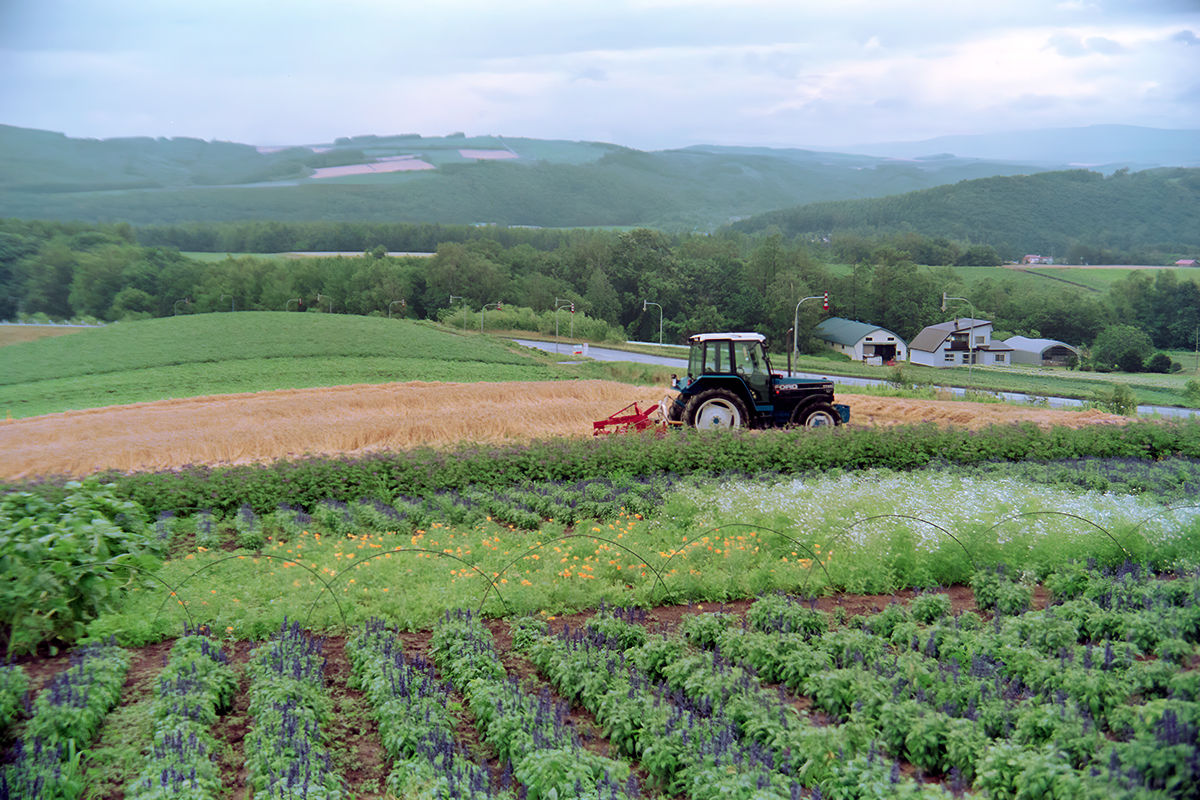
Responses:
[729,384]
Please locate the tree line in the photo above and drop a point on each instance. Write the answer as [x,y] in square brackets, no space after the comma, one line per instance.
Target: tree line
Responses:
[722,281]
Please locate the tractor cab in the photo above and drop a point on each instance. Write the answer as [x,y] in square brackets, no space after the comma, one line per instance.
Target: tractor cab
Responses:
[730,385]
[734,354]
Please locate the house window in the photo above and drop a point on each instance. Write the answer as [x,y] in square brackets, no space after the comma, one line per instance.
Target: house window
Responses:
[999,358]
[949,358]
[979,339]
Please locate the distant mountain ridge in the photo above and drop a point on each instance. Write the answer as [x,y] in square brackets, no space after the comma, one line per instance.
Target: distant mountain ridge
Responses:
[462,179]
[1103,146]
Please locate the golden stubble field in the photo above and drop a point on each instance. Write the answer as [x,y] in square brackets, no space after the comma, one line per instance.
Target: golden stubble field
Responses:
[246,428]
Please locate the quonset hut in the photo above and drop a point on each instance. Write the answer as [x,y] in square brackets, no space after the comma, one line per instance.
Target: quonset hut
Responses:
[1043,352]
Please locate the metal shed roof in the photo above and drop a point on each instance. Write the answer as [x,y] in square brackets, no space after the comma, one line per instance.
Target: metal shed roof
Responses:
[1038,346]
[848,332]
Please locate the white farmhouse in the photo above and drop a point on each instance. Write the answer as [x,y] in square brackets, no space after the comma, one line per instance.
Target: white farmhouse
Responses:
[958,342]
[861,341]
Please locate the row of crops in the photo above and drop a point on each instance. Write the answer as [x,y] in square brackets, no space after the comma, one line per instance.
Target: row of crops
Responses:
[1096,695]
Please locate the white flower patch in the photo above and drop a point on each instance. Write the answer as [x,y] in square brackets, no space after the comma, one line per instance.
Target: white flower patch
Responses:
[995,509]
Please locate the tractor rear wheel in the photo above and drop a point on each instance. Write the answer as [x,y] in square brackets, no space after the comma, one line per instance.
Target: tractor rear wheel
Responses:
[716,408]
[817,415]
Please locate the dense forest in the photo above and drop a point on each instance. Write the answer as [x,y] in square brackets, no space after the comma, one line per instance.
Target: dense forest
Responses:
[722,281]
[1075,216]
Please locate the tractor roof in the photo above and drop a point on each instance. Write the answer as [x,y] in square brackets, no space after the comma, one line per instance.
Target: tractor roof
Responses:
[737,337]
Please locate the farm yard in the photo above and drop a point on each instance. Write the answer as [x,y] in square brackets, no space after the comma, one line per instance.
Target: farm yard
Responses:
[434,588]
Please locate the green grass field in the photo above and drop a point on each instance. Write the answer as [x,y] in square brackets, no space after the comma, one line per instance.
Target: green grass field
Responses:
[1101,279]
[203,354]
[229,353]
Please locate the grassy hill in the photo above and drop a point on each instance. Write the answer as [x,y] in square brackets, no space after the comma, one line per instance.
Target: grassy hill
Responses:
[542,183]
[1077,214]
[204,354]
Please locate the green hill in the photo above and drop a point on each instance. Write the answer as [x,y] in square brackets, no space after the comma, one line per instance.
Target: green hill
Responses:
[203,354]
[1076,215]
[541,183]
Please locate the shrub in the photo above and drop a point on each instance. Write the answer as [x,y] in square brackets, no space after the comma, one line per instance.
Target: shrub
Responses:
[66,562]
[1160,363]
[1118,399]
[929,608]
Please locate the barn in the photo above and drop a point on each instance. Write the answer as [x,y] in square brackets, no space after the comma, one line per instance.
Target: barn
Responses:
[861,341]
[1043,352]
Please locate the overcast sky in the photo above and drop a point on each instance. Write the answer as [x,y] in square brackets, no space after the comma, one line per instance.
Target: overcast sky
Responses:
[650,74]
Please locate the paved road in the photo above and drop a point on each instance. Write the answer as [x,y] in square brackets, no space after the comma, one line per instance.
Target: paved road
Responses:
[602,354]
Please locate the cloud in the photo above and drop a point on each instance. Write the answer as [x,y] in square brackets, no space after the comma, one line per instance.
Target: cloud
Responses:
[591,74]
[645,73]
[1071,46]
[1099,44]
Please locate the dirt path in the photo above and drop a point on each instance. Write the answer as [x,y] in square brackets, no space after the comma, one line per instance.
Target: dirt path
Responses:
[263,426]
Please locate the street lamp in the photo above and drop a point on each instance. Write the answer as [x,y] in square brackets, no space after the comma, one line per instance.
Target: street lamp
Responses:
[402,305]
[559,305]
[483,310]
[646,303]
[231,300]
[970,333]
[327,297]
[457,297]
[796,321]
[792,331]
[177,302]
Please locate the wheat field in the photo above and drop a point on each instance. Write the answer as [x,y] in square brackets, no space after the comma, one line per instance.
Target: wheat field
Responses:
[263,426]
[242,428]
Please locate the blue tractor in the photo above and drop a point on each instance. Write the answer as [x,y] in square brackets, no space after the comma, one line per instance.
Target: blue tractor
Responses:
[730,385]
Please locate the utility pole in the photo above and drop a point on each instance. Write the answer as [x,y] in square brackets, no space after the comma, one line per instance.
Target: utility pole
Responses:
[970,333]
[646,303]
[796,322]
[483,310]
[560,304]
[456,297]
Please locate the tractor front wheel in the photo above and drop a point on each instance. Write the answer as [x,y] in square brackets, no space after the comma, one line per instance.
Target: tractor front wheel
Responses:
[716,408]
[817,415]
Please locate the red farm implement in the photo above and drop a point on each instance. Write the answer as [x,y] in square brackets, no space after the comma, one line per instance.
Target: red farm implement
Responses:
[630,418]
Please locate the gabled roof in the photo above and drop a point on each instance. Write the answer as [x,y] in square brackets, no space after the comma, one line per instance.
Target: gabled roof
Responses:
[847,332]
[930,339]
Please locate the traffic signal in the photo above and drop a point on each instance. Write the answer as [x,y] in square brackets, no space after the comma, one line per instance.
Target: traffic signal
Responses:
[826,305]
[572,308]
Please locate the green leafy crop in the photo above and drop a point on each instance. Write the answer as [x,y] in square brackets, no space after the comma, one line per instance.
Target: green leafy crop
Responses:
[65,562]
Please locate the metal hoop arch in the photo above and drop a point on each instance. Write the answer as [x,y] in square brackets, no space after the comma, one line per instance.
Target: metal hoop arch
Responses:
[1159,514]
[814,557]
[1063,514]
[223,559]
[970,556]
[658,579]
[440,554]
